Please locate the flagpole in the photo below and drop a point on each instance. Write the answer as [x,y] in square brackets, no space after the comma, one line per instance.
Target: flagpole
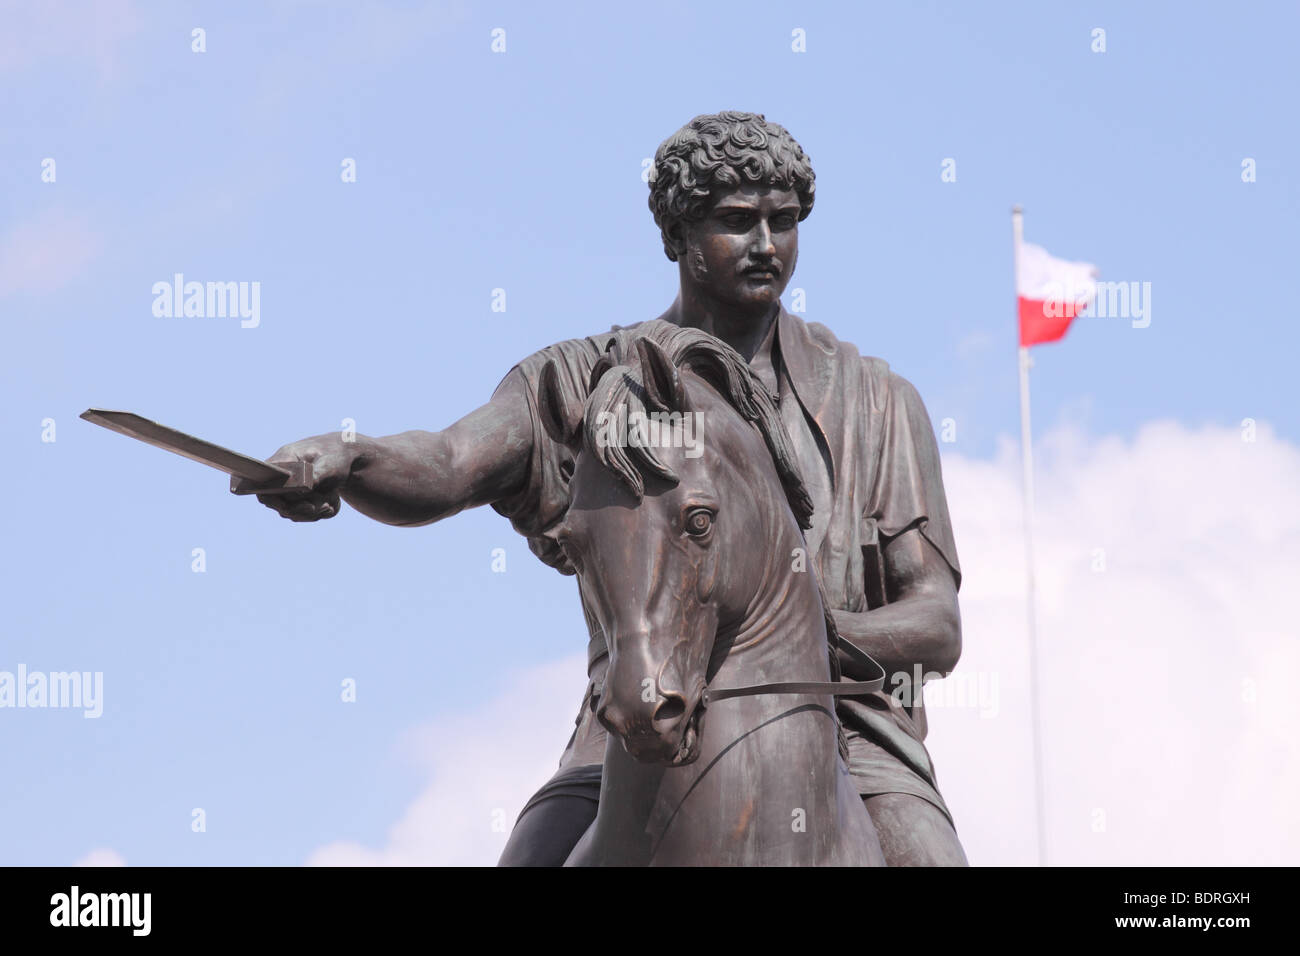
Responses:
[1027,458]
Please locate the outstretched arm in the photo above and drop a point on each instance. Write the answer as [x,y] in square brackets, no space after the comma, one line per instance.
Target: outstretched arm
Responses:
[921,624]
[417,477]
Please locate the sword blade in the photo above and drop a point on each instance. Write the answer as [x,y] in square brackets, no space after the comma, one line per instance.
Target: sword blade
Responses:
[253,474]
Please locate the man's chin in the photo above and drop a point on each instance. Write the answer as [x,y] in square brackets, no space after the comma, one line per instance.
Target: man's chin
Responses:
[755,300]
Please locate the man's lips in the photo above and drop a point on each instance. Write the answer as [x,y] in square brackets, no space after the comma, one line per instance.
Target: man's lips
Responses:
[762,272]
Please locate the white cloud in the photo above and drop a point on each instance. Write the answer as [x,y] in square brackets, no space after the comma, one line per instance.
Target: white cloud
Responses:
[1169,722]
[1167,712]
[483,766]
[101,857]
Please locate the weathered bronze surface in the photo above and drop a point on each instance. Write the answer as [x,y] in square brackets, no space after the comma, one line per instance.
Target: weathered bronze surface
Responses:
[850,484]
[247,475]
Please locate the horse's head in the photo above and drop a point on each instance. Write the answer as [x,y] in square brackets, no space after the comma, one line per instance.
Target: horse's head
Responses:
[680,507]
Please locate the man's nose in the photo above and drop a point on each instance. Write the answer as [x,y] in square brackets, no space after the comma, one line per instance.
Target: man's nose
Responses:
[763,245]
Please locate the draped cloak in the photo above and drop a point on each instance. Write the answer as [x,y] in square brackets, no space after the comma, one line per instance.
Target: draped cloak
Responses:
[865,445]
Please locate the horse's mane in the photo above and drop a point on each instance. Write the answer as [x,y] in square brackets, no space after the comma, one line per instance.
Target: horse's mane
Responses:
[617,388]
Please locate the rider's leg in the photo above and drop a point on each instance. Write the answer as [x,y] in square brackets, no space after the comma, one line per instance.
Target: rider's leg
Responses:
[548,830]
[913,831]
[901,795]
[557,816]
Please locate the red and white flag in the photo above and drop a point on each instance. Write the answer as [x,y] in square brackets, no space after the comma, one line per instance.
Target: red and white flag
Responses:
[1051,293]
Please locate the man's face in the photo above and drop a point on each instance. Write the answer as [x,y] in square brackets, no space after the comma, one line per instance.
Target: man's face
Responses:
[743,253]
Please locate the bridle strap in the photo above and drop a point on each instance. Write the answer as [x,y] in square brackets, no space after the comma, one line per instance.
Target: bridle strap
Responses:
[841,688]
[845,688]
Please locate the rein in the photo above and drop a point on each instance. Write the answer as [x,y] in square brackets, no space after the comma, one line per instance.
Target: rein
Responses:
[841,688]
[833,688]
[821,688]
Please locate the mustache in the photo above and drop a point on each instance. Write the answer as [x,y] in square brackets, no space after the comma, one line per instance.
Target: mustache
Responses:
[765,265]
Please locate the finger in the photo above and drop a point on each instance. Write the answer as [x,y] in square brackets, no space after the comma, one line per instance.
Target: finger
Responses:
[275,502]
[316,506]
[282,504]
[293,504]
[331,506]
[304,505]
[307,508]
[313,511]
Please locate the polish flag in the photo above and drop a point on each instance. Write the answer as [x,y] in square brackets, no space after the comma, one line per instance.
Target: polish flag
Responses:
[1052,292]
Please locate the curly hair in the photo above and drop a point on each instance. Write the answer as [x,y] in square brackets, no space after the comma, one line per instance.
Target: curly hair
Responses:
[721,151]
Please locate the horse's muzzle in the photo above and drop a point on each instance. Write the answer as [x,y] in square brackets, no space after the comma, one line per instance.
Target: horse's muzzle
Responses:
[667,734]
[648,702]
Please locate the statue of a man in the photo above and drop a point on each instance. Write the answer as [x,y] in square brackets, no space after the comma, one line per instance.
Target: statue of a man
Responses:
[728,193]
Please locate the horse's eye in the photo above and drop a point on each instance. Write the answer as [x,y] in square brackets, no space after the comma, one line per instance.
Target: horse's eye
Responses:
[698,522]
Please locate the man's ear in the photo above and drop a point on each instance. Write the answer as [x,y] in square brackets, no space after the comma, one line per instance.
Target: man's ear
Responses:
[675,239]
[663,383]
[562,419]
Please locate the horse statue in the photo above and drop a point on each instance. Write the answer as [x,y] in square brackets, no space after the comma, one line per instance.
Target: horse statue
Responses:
[685,539]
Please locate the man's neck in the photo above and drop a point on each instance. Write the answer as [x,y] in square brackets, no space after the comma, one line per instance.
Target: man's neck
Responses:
[749,335]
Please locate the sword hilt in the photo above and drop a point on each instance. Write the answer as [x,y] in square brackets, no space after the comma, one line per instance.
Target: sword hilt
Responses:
[297,477]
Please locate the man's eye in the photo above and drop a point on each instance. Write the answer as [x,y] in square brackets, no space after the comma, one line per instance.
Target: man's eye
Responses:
[698,522]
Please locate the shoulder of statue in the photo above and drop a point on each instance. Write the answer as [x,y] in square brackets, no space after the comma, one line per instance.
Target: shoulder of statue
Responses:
[906,403]
[836,370]
[888,389]
[816,334]
[899,386]
[819,335]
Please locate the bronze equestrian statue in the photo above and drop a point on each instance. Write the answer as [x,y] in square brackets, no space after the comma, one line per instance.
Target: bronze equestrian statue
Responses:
[727,193]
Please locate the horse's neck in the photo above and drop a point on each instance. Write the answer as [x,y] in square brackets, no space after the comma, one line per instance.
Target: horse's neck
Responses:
[763,758]
[782,636]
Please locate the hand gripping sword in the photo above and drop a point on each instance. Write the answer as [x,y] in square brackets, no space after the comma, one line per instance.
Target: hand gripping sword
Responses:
[248,476]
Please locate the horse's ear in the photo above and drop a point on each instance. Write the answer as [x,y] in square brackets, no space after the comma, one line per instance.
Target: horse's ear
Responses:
[603,365]
[560,418]
[663,383]
[608,360]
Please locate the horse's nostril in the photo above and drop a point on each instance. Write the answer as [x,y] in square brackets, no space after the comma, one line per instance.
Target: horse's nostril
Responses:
[672,708]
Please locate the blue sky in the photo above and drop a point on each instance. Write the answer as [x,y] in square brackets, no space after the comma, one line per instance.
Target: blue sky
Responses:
[522,170]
